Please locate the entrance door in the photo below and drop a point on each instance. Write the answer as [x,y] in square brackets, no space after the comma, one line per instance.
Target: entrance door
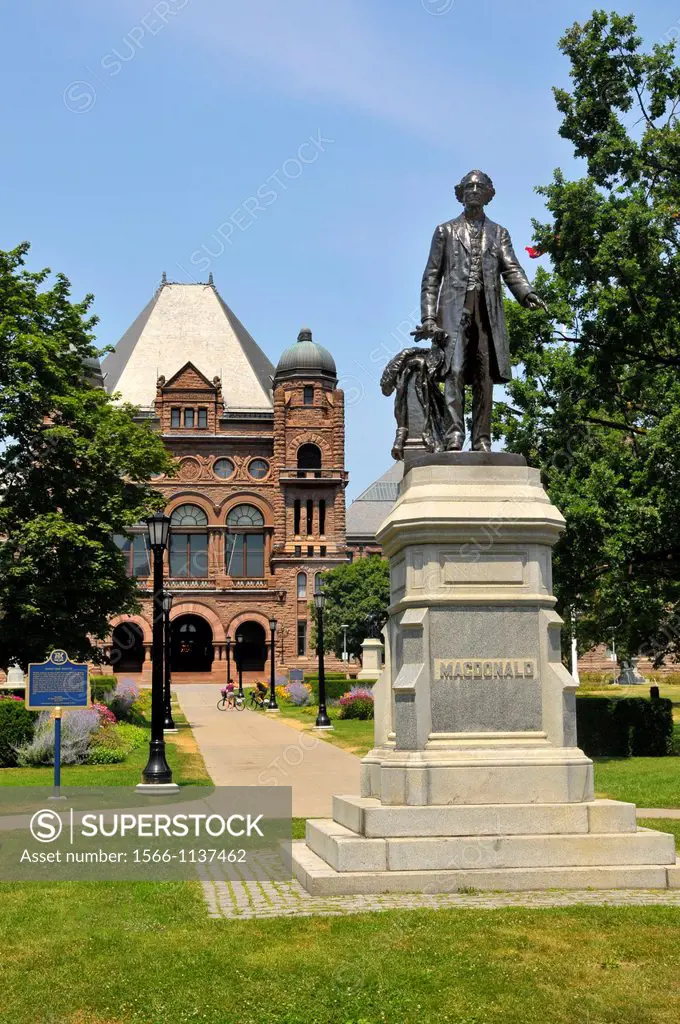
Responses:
[127,649]
[252,647]
[191,644]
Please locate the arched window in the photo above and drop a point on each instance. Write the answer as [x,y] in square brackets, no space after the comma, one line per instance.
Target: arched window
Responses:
[188,515]
[309,456]
[245,542]
[302,586]
[189,542]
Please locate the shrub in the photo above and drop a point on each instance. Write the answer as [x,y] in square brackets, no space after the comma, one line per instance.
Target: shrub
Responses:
[299,694]
[123,699]
[140,712]
[77,727]
[101,687]
[624,726]
[133,736]
[336,685]
[16,728]
[358,703]
[312,711]
[105,714]
[282,695]
[105,755]
[111,744]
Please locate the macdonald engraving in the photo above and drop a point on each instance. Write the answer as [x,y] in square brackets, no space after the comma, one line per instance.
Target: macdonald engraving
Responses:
[485,668]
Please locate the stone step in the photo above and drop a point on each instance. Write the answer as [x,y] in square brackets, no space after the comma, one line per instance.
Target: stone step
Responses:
[344,850]
[368,817]
[320,879]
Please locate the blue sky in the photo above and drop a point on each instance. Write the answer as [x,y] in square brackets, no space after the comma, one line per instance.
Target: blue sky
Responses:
[310,148]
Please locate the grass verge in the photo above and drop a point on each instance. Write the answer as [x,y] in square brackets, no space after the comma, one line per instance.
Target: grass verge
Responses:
[147,954]
[183,756]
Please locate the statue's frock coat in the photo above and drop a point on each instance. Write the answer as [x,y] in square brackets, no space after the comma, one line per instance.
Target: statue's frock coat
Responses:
[445,284]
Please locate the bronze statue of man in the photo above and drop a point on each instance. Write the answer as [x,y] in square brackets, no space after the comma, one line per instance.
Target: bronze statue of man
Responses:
[462,308]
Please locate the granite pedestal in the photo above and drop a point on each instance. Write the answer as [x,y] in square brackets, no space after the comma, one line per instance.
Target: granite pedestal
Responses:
[371,659]
[476,778]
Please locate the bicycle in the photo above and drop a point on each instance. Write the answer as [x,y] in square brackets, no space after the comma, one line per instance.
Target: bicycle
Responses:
[231,702]
[257,700]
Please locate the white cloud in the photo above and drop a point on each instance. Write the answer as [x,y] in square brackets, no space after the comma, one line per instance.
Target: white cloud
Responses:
[335,51]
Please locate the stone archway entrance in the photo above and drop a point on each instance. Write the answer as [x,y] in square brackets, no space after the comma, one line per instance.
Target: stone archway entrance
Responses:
[191,644]
[127,648]
[252,649]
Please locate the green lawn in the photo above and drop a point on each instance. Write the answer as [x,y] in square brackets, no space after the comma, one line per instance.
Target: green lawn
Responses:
[143,953]
[350,734]
[147,954]
[671,825]
[182,754]
[645,781]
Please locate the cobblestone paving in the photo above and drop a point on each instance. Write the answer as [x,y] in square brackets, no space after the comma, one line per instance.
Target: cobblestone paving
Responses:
[235,899]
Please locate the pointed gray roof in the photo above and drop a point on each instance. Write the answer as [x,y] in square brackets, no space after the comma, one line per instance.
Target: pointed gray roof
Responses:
[189,321]
[368,511]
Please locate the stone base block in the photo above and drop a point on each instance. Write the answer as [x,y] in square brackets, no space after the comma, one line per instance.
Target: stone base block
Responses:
[674,876]
[366,816]
[484,777]
[320,879]
[344,850]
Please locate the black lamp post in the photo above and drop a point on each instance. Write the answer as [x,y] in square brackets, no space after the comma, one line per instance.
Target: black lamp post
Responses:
[272,705]
[168,724]
[322,719]
[228,646]
[238,654]
[157,771]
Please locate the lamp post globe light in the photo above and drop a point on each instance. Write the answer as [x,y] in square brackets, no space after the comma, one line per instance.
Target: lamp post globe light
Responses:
[322,719]
[271,704]
[157,776]
[238,654]
[168,723]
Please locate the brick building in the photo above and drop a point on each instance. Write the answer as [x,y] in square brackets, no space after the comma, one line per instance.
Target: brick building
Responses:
[258,502]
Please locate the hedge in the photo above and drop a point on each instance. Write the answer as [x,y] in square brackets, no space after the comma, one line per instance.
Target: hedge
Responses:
[100,686]
[16,726]
[624,726]
[336,685]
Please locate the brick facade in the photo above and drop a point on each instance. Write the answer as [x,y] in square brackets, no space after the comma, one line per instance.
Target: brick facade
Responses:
[300,498]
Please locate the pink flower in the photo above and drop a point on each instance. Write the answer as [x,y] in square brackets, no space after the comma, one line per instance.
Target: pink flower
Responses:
[106,715]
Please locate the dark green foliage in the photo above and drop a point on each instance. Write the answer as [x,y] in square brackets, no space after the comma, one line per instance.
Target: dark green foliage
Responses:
[101,687]
[597,402]
[624,726]
[16,727]
[360,707]
[74,468]
[354,592]
[336,685]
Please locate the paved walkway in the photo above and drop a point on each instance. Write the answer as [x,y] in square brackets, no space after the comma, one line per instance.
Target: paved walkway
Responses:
[252,748]
[263,898]
[658,812]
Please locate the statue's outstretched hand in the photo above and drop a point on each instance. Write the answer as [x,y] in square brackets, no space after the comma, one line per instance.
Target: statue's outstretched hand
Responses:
[428,329]
[534,301]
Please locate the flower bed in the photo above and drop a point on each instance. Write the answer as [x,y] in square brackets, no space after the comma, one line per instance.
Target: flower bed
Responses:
[357,703]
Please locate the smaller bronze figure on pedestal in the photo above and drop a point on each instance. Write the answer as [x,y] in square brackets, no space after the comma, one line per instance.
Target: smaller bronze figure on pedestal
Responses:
[423,366]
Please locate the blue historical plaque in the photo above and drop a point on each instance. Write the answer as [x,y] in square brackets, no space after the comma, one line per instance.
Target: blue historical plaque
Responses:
[58,683]
[296,675]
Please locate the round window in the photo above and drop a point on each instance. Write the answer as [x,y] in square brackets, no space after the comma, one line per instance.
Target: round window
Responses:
[258,468]
[223,468]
